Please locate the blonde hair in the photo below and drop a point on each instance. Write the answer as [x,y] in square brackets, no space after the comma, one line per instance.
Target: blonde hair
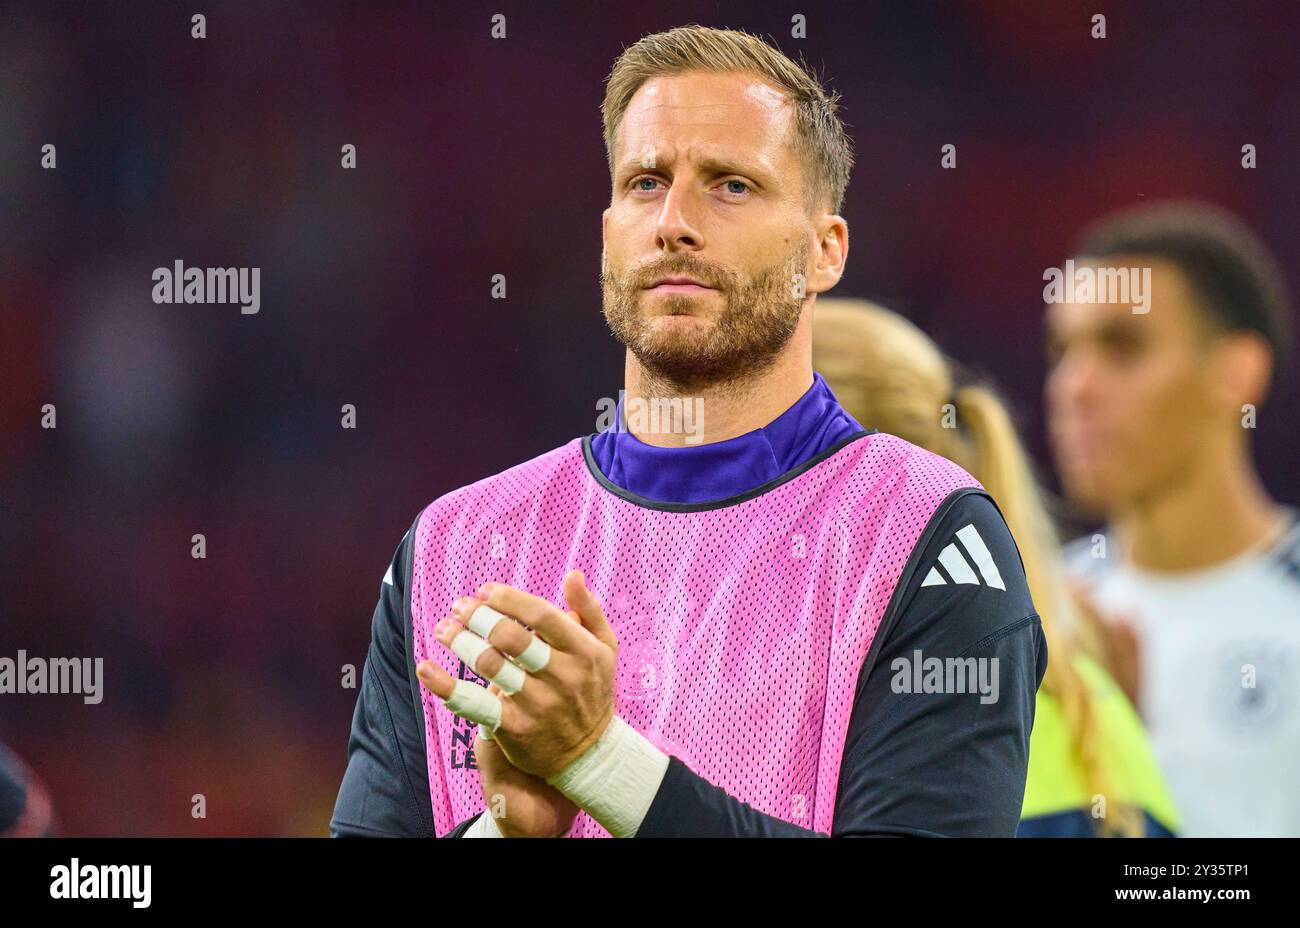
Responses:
[890,376]
[820,139]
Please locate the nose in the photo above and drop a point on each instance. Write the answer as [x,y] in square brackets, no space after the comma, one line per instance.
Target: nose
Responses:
[1073,382]
[676,228]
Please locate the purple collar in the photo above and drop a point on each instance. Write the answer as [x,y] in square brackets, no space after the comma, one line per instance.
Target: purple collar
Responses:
[719,470]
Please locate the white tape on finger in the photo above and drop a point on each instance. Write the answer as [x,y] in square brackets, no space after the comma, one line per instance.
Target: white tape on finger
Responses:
[469,647]
[484,619]
[473,702]
[510,678]
[536,656]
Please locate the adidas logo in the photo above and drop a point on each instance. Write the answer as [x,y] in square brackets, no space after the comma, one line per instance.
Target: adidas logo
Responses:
[956,558]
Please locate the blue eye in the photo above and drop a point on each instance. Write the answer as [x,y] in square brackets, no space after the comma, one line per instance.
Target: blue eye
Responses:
[645,180]
[733,184]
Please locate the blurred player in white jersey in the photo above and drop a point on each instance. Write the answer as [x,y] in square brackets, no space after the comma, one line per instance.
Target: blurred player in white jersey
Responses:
[1153,397]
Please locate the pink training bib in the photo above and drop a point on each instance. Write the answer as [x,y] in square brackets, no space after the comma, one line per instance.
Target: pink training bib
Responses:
[742,626]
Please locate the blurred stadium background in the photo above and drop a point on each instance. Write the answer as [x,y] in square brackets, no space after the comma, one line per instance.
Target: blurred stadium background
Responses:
[475,157]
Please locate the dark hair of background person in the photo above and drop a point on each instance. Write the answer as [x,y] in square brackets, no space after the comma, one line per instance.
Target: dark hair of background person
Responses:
[1238,284]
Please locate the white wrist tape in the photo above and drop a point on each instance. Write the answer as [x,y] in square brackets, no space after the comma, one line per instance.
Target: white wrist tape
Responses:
[485,826]
[534,657]
[469,647]
[616,780]
[473,702]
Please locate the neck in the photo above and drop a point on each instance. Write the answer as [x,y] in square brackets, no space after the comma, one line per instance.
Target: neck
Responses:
[726,408]
[1211,513]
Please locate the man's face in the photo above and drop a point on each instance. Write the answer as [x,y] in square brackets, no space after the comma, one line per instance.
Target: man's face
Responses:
[1127,394]
[706,229]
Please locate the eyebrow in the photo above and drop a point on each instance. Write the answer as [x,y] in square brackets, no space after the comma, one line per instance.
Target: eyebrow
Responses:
[1107,330]
[1120,328]
[711,164]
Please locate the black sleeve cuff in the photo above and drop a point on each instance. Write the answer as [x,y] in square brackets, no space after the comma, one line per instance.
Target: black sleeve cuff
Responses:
[689,806]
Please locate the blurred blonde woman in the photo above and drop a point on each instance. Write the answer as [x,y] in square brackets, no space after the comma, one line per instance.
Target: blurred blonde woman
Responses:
[1091,768]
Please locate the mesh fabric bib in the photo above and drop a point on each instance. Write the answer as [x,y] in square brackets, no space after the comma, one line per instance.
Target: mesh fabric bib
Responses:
[743,625]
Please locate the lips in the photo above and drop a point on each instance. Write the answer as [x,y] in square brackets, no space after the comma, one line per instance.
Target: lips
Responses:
[1082,446]
[679,284]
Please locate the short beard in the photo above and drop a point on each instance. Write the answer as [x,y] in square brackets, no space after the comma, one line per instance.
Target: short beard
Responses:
[757,321]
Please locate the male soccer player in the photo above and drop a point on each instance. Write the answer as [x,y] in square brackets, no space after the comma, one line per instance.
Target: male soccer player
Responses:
[1151,414]
[779,624]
